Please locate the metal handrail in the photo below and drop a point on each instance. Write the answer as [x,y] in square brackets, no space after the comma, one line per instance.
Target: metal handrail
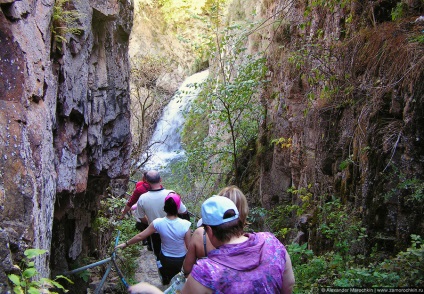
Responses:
[111,261]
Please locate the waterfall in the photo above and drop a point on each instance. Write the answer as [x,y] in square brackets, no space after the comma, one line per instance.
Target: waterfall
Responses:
[166,139]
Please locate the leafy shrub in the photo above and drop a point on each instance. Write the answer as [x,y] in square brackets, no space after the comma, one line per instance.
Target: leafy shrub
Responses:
[339,268]
[399,11]
[419,39]
[305,196]
[308,269]
[64,20]
[410,190]
[332,269]
[278,219]
[106,221]
[127,258]
[339,225]
[27,282]
[404,270]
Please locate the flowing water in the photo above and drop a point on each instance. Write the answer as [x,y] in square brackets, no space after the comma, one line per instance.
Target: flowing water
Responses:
[166,140]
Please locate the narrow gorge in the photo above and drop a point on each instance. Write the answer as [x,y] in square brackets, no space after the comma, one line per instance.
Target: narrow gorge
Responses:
[342,125]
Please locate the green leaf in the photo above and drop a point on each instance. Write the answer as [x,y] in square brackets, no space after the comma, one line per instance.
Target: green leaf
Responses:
[31,253]
[18,290]
[15,279]
[66,278]
[56,284]
[33,290]
[29,272]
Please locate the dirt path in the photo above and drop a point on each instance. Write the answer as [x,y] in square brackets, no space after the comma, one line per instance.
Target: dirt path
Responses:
[147,270]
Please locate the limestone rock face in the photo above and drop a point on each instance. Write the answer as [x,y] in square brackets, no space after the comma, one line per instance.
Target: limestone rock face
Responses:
[346,90]
[346,87]
[65,125]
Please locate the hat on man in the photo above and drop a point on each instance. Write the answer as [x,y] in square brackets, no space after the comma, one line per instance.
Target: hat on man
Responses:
[176,197]
[214,208]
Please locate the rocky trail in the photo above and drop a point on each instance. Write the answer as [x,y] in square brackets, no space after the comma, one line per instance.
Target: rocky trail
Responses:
[147,270]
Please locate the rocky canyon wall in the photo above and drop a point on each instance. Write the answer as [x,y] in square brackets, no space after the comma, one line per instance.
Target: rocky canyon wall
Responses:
[65,134]
[346,93]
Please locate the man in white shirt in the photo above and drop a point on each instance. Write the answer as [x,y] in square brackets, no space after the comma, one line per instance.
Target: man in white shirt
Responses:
[150,205]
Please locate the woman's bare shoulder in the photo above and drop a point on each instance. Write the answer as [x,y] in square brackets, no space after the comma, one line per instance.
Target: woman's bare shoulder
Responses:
[197,235]
[198,231]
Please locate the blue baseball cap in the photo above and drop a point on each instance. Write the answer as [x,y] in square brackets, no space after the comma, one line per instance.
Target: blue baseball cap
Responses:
[214,208]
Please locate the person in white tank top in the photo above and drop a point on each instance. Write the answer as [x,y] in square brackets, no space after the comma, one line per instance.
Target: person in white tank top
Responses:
[175,236]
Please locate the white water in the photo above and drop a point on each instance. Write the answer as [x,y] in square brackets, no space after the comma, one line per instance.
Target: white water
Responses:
[166,140]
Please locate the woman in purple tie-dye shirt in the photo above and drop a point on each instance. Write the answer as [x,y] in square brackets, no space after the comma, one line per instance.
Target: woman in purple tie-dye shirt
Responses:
[242,263]
[257,265]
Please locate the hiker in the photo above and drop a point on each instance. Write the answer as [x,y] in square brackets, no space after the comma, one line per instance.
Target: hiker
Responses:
[150,206]
[175,234]
[141,187]
[242,263]
[200,244]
